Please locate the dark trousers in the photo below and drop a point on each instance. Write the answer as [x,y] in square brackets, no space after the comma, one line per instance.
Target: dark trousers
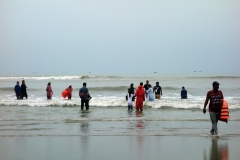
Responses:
[18,95]
[130,107]
[86,104]
[24,95]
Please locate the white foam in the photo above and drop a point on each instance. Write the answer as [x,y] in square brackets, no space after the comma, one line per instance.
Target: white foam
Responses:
[106,101]
[58,77]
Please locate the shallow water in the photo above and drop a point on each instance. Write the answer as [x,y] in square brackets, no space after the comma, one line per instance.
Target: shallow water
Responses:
[70,121]
[170,128]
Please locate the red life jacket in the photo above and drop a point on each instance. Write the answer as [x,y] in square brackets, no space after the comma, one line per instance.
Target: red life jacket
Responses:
[224,116]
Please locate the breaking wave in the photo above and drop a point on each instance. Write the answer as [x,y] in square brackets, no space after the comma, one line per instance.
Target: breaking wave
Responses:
[164,103]
[60,77]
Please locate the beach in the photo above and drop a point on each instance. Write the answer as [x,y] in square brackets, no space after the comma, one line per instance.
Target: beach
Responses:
[170,128]
[119,147]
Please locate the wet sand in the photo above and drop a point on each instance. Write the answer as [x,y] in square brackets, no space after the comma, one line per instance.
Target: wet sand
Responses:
[119,147]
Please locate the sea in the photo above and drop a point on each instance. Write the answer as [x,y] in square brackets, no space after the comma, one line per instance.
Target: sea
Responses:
[108,115]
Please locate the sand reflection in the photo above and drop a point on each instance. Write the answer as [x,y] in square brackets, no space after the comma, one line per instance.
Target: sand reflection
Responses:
[218,150]
[84,139]
[140,126]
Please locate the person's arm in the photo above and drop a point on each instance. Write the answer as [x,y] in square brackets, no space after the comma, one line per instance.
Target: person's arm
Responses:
[161,91]
[205,104]
[221,100]
[89,96]
[80,93]
[147,91]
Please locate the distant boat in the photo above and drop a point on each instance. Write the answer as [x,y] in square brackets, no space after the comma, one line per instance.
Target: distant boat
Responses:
[195,71]
[155,72]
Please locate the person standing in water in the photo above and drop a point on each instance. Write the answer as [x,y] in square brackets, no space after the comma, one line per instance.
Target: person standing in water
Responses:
[129,99]
[23,90]
[17,90]
[146,86]
[214,107]
[140,94]
[132,91]
[183,93]
[69,89]
[158,91]
[150,96]
[85,96]
[49,91]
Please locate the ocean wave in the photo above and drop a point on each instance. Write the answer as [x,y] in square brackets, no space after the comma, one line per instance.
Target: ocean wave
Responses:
[216,77]
[12,89]
[171,88]
[164,103]
[60,77]
[109,88]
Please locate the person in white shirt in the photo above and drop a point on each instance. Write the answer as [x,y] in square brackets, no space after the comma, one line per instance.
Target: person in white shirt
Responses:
[150,95]
[129,98]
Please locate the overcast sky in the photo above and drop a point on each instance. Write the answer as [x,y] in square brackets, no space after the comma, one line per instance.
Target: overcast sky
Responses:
[119,36]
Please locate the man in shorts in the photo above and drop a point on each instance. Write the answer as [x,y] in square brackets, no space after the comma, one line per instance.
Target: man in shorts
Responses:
[158,91]
[214,107]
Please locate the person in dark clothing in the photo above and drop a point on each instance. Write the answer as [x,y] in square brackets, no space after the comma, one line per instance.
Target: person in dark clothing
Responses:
[23,90]
[131,89]
[146,86]
[183,93]
[158,91]
[85,96]
[17,90]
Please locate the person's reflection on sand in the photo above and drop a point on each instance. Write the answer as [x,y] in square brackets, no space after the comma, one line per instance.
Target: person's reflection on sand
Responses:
[140,134]
[140,123]
[84,139]
[218,151]
[85,121]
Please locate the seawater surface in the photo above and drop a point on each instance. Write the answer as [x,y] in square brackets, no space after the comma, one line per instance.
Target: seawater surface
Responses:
[111,90]
[56,129]
[108,115]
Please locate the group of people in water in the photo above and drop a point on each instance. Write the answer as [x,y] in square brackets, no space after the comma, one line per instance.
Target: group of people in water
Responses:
[143,92]
[215,96]
[146,92]
[21,92]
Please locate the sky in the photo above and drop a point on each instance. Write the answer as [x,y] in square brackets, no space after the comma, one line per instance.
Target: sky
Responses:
[76,37]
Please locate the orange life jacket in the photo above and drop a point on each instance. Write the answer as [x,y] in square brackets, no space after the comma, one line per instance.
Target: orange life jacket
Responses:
[64,93]
[224,116]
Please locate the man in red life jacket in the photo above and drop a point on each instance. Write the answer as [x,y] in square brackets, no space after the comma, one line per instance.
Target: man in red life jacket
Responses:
[215,97]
